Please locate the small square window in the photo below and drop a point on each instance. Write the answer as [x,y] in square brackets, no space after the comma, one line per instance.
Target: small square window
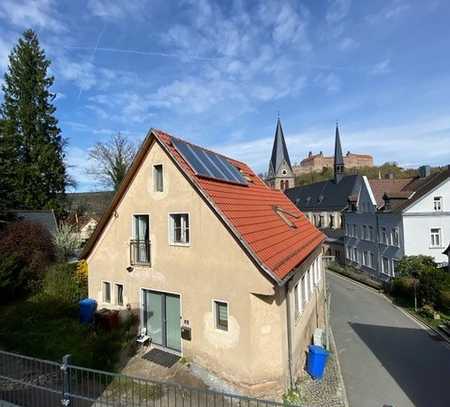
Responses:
[221,310]
[180,228]
[107,292]
[158,178]
[435,237]
[119,294]
[437,201]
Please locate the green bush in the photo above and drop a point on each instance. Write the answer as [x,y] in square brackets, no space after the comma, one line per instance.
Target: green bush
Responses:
[415,265]
[12,276]
[60,283]
[427,311]
[403,287]
[443,303]
[430,284]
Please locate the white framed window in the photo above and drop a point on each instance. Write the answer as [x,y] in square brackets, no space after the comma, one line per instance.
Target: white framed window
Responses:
[384,236]
[118,293]
[372,260]
[371,234]
[299,300]
[355,230]
[179,229]
[437,203]
[395,237]
[435,236]
[311,280]
[366,258]
[385,265]
[319,268]
[158,179]
[106,292]
[394,266]
[365,232]
[140,243]
[221,315]
[305,290]
[355,255]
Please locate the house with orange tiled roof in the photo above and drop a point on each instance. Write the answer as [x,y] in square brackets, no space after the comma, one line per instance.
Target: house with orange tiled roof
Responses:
[220,268]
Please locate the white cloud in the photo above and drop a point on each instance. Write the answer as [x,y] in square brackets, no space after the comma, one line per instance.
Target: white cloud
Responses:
[330,82]
[32,13]
[394,10]
[347,44]
[116,9]
[381,68]
[337,10]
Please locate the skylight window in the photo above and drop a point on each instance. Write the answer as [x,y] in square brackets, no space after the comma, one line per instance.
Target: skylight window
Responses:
[286,216]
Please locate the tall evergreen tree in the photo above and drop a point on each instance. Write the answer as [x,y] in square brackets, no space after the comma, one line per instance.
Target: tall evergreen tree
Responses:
[8,165]
[30,129]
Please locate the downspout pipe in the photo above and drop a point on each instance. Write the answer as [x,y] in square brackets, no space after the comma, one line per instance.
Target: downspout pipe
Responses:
[289,335]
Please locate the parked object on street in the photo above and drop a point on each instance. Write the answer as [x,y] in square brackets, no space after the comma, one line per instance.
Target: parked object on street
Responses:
[317,360]
[88,306]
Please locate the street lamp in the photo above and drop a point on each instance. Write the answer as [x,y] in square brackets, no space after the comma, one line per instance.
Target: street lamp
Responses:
[415,275]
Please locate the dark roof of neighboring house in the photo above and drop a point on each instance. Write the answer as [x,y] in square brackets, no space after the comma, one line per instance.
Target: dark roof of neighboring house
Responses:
[90,203]
[387,186]
[279,151]
[419,187]
[325,195]
[272,231]
[46,218]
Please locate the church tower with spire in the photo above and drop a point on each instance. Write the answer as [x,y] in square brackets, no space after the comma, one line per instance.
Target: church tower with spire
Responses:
[338,158]
[280,174]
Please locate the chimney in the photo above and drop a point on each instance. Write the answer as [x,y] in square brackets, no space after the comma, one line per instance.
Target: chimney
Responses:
[424,171]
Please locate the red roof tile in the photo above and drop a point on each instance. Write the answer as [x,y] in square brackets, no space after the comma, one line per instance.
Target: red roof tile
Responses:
[249,210]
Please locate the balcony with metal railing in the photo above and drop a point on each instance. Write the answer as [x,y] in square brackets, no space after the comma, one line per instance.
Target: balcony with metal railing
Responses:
[140,253]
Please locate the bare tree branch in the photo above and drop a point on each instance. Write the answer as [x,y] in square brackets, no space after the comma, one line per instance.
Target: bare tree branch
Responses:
[111,160]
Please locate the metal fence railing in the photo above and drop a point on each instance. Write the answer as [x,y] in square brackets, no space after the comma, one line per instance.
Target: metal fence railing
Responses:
[26,381]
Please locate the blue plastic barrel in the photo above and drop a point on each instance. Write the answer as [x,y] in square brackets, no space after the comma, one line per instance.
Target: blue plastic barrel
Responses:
[317,360]
[88,306]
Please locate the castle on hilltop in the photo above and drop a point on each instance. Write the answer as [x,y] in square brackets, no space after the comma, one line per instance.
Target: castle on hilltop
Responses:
[316,162]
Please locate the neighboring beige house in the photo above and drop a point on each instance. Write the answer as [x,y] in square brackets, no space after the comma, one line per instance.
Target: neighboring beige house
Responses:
[221,269]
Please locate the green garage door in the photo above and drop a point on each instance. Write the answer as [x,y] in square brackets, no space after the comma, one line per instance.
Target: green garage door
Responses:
[162,318]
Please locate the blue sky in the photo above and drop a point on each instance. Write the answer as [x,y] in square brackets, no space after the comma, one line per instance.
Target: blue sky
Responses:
[217,73]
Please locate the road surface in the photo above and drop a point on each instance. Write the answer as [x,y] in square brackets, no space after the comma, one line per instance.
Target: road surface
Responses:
[387,359]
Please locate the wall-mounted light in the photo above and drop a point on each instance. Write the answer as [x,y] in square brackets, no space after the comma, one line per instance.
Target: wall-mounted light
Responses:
[116,214]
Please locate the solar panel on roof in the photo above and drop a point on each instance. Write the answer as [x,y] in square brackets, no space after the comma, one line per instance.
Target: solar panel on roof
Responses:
[208,164]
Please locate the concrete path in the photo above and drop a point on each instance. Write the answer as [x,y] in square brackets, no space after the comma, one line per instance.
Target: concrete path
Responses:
[387,359]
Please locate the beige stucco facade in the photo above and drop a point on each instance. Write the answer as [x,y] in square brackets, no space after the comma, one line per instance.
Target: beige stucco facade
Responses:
[253,352]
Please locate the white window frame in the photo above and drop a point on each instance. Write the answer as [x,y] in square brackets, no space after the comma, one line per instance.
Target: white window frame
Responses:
[104,282]
[433,235]
[364,232]
[371,233]
[383,269]
[214,305]
[355,230]
[305,285]
[384,235]
[395,233]
[372,260]
[116,302]
[365,258]
[155,183]
[437,203]
[355,255]
[171,223]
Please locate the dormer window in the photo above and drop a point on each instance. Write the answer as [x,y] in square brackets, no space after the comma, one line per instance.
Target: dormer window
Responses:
[284,172]
[437,203]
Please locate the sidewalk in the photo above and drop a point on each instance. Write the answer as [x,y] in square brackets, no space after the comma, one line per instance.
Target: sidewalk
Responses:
[328,392]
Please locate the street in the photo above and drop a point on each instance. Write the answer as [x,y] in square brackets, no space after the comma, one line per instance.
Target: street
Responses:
[386,358]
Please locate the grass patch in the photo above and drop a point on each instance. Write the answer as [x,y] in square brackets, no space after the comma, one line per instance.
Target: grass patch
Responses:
[127,389]
[48,328]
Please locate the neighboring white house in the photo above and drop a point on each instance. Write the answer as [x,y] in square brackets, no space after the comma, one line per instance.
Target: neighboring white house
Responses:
[395,218]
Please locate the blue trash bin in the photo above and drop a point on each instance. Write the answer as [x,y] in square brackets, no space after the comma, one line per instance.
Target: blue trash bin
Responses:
[317,360]
[88,306]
